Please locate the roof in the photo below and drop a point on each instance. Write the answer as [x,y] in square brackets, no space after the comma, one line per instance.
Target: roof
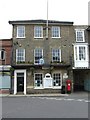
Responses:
[88,28]
[40,21]
[6,39]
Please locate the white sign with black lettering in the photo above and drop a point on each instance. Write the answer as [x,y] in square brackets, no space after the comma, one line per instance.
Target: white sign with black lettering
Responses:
[47,81]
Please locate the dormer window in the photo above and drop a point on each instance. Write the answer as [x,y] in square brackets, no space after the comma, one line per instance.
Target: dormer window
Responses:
[80,35]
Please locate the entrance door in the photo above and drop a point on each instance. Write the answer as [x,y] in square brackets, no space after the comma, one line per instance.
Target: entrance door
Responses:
[20,82]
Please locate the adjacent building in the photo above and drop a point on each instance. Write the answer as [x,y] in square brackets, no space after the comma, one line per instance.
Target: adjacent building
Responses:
[81,68]
[5,65]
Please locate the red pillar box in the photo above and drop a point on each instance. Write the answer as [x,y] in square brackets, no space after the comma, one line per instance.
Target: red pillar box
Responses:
[68,86]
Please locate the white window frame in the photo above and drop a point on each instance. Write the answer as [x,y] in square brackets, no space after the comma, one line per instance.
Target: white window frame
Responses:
[59,55]
[57,86]
[3,55]
[38,53]
[83,34]
[38,87]
[23,31]
[76,52]
[19,56]
[54,31]
[39,30]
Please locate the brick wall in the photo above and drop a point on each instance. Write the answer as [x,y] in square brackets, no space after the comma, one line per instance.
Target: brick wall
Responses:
[6,44]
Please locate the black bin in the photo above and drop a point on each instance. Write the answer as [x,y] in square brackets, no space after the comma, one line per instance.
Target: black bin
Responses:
[63,89]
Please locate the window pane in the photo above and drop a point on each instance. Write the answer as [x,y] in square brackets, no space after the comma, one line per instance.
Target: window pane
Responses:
[80,35]
[21,31]
[56,55]
[56,79]
[20,55]
[38,79]
[38,31]
[38,55]
[76,53]
[55,31]
[82,53]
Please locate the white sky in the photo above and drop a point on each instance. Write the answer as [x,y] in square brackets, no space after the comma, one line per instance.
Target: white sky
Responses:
[62,10]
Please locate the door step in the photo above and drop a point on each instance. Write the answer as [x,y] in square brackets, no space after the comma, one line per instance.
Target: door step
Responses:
[20,93]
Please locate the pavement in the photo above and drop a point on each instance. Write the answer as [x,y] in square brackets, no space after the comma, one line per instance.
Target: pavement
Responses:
[46,95]
[33,95]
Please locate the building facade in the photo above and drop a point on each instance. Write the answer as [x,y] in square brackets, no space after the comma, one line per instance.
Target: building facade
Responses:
[40,51]
[81,66]
[5,65]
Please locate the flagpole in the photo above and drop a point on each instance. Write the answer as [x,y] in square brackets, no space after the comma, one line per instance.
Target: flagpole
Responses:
[47,22]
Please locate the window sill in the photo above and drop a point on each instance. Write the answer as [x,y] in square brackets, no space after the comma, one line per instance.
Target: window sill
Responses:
[20,37]
[80,41]
[81,60]
[38,37]
[38,88]
[57,87]
[55,37]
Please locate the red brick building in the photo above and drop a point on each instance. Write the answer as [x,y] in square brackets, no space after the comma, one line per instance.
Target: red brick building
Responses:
[5,64]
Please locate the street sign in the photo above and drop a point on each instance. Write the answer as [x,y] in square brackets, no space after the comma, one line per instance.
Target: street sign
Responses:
[41,61]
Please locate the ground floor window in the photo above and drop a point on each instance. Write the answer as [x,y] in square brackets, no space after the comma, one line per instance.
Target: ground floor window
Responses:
[38,78]
[56,79]
[5,80]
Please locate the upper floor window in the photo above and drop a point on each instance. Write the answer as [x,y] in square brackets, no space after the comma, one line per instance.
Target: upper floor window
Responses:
[56,55]
[2,54]
[20,31]
[20,55]
[80,35]
[81,52]
[38,32]
[38,54]
[55,32]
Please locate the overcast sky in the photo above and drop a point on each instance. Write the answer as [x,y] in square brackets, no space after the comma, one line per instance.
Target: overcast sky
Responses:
[62,10]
